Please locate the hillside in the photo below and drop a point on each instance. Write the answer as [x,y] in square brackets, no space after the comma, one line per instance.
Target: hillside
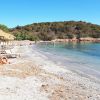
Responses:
[53,30]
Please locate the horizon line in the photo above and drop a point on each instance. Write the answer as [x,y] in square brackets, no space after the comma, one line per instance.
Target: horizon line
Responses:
[50,22]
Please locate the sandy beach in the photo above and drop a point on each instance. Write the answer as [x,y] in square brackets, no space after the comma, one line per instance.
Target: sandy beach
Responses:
[32,76]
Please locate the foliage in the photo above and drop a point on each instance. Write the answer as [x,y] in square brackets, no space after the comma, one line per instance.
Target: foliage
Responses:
[24,36]
[70,36]
[4,28]
[52,30]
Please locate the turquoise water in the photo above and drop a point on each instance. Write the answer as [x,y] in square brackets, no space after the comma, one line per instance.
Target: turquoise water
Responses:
[84,57]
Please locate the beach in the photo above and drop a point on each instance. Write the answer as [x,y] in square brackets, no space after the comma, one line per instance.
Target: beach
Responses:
[33,76]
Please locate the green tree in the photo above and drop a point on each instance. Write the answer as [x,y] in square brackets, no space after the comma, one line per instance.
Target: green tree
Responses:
[4,28]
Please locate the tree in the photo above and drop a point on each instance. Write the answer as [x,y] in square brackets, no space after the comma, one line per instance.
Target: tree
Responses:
[4,28]
[70,36]
[62,30]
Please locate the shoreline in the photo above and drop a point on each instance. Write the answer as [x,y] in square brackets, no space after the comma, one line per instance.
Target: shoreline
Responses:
[28,42]
[34,77]
[85,71]
[88,39]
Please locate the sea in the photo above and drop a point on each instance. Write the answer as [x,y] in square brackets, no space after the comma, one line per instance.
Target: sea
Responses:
[80,57]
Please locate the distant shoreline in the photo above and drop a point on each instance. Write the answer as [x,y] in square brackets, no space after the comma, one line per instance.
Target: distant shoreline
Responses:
[28,42]
[73,40]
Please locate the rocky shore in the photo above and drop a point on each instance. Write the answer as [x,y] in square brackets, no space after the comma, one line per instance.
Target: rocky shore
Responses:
[88,39]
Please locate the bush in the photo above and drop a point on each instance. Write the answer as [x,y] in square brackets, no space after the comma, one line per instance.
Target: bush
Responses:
[4,28]
[70,36]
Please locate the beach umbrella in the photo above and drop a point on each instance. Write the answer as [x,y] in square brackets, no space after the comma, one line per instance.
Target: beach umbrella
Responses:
[6,36]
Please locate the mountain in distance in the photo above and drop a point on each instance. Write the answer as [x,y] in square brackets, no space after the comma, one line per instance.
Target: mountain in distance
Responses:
[56,30]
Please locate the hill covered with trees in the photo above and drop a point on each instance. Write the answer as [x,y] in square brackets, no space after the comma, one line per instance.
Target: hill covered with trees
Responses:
[56,30]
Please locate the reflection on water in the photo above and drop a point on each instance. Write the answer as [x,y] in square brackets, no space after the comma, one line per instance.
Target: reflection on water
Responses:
[92,49]
[82,56]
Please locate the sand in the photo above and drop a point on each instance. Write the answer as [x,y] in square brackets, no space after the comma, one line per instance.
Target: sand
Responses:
[33,76]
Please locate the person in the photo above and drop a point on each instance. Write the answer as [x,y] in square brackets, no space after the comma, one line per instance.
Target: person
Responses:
[3,60]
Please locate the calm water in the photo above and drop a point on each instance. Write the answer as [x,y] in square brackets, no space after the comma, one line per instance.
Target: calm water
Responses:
[83,57]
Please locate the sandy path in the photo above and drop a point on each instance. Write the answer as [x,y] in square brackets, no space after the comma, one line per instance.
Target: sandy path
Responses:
[34,77]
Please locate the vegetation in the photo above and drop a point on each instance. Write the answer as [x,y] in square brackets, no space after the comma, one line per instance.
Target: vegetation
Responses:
[4,28]
[53,30]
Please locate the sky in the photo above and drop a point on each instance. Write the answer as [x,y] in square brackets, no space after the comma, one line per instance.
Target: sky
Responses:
[23,12]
